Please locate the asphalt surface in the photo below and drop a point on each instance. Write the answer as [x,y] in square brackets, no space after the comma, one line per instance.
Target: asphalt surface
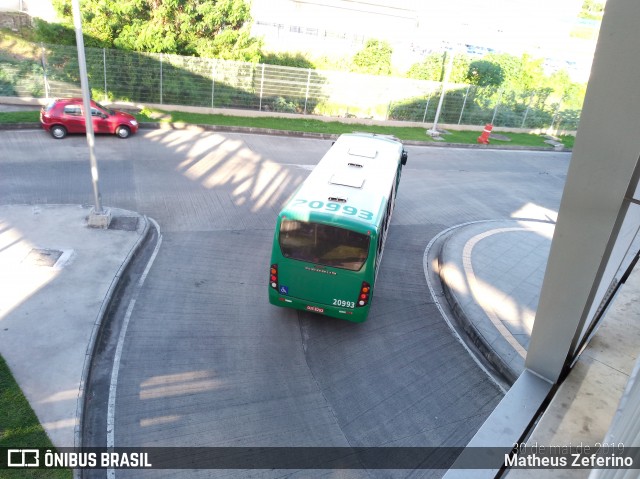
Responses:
[206,361]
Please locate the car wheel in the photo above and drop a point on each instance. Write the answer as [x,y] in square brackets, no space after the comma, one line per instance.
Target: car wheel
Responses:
[123,132]
[58,132]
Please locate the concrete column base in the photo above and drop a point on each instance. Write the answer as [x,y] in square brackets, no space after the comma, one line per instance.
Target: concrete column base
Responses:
[99,220]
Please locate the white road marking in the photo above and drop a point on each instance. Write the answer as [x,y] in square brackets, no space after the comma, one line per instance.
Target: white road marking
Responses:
[111,405]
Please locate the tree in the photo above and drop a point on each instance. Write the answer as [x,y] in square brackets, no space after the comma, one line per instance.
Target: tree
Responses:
[511,68]
[432,68]
[531,72]
[187,27]
[296,60]
[569,93]
[374,58]
[460,68]
[484,73]
[592,9]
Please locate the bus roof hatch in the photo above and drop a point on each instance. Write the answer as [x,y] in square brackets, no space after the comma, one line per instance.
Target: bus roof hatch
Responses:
[347,179]
[364,151]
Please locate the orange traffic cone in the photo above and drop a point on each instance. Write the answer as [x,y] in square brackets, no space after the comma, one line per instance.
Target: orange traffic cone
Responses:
[484,138]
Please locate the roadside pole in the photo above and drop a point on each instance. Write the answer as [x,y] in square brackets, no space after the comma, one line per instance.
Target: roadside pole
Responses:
[447,74]
[98,218]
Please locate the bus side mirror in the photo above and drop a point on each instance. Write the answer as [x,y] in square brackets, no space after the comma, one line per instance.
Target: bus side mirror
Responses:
[403,157]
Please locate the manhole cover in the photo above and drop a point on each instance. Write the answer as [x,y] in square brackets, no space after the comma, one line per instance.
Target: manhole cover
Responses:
[43,257]
[124,223]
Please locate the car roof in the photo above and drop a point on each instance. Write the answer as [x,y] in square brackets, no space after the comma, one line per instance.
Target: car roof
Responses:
[72,100]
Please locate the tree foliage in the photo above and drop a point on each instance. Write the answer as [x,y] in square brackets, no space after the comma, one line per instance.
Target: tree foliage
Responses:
[528,96]
[485,73]
[208,28]
[374,58]
[432,68]
[296,60]
[592,9]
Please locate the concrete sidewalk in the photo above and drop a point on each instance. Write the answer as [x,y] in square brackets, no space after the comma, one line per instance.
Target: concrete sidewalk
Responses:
[490,275]
[57,276]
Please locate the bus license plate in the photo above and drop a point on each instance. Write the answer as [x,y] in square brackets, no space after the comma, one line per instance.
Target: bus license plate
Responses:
[315,309]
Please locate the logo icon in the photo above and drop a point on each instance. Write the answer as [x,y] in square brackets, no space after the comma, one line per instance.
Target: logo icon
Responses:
[23,458]
[284,289]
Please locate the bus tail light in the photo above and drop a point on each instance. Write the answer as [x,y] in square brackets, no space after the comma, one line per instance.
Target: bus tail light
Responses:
[273,276]
[365,293]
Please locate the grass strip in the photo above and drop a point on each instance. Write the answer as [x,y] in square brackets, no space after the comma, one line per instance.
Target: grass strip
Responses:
[286,124]
[413,133]
[20,428]
[307,125]
[8,117]
[567,141]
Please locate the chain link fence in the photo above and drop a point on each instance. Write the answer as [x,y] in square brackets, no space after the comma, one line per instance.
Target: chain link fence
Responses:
[52,71]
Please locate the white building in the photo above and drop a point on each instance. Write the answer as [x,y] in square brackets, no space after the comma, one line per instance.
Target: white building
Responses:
[36,8]
[414,27]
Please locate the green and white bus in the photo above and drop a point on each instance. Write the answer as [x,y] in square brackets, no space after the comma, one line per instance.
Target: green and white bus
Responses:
[330,236]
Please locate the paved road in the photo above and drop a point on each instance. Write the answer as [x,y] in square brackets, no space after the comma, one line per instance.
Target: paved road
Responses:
[208,362]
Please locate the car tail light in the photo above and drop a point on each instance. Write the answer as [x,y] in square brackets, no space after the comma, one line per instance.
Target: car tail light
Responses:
[273,276]
[365,293]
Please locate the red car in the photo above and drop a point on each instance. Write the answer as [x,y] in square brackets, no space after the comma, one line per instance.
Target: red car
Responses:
[62,116]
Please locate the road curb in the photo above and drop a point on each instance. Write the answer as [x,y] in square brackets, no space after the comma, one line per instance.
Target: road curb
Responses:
[297,134]
[20,126]
[468,329]
[96,332]
[475,337]
[432,269]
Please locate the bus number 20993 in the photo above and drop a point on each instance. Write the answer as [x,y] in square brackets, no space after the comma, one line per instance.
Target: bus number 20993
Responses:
[335,208]
[344,304]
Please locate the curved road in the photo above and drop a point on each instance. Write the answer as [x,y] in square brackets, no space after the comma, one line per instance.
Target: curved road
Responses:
[208,362]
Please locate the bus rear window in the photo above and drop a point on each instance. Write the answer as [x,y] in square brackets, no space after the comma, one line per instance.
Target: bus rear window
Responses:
[323,244]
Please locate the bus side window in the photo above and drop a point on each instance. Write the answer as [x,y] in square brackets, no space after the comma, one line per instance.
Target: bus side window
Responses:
[383,230]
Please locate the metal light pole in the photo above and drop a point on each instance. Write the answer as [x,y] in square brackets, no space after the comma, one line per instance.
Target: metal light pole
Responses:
[98,217]
[447,73]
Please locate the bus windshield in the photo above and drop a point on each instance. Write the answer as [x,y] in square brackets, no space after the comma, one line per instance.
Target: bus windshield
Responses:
[323,244]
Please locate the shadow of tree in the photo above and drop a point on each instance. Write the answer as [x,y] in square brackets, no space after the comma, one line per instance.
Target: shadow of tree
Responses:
[477,106]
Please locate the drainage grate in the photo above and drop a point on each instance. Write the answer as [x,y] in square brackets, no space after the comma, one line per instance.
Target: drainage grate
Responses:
[124,223]
[43,257]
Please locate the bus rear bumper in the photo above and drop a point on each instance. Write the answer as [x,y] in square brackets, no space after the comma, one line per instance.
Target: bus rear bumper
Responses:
[357,315]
